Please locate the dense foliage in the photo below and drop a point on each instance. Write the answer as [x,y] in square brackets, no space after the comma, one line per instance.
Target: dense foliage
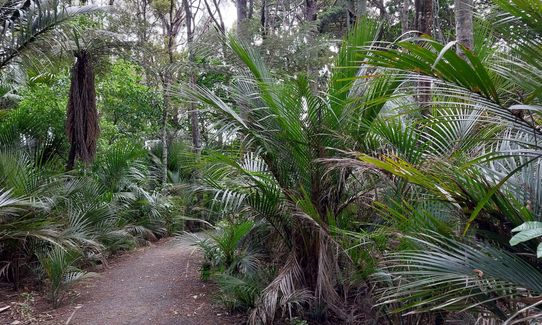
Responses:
[391,177]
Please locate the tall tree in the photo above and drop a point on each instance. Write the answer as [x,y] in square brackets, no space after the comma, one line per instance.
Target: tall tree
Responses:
[193,110]
[172,19]
[463,24]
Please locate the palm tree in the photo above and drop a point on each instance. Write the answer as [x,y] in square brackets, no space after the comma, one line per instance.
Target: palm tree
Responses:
[25,29]
[470,175]
[288,131]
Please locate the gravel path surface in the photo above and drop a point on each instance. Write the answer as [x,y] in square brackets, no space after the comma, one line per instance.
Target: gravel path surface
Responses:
[154,285]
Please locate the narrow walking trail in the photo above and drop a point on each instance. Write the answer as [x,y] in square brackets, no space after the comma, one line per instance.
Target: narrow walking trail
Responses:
[154,285]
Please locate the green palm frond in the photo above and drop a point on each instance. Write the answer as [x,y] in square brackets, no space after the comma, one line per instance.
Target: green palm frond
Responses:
[528,231]
[11,206]
[447,274]
[26,22]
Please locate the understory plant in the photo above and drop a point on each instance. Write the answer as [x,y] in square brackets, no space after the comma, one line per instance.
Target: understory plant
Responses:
[233,263]
[422,156]
[59,266]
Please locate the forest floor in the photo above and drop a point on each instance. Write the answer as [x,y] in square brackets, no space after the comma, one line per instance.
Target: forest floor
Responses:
[158,284]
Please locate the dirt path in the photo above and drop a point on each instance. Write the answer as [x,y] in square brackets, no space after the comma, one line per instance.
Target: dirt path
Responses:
[153,285]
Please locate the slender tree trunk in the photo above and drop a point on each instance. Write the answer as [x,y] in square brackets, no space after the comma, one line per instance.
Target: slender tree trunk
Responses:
[463,24]
[219,22]
[242,31]
[424,24]
[404,16]
[263,19]
[424,16]
[165,90]
[193,110]
[166,83]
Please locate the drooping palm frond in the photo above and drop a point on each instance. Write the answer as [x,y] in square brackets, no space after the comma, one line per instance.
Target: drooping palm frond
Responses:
[528,231]
[26,22]
[443,273]
[10,206]
[61,271]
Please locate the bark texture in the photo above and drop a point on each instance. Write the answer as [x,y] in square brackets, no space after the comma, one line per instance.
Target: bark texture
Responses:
[424,25]
[424,16]
[404,16]
[310,10]
[242,17]
[463,24]
[82,126]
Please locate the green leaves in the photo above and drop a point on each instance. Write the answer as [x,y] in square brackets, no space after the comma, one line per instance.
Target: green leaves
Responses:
[25,22]
[527,231]
[450,274]
[432,59]
[60,269]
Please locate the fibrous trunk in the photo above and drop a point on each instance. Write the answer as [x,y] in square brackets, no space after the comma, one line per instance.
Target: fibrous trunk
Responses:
[82,126]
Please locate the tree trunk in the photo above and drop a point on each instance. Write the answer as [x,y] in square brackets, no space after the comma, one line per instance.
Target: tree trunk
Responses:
[82,126]
[424,16]
[165,89]
[193,110]
[242,31]
[404,16]
[463,24]
[310,10]
[424,25]
[263,19]
[166,83]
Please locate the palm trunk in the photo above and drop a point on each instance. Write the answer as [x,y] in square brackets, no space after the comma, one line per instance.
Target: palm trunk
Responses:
[82,126]
[463,24]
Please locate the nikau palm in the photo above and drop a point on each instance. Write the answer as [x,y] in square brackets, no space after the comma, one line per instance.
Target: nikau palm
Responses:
[289,132]
[405,188]
[479,157]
